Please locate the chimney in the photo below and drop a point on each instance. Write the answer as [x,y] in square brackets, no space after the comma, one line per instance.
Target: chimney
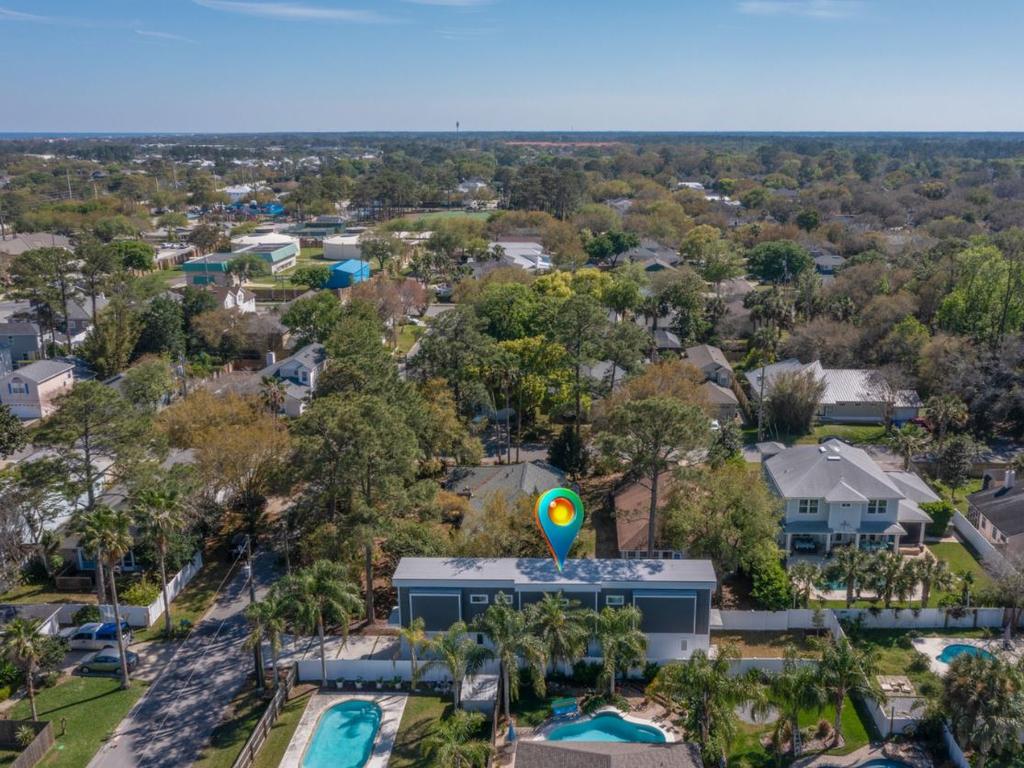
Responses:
[271,358]
[1010,479]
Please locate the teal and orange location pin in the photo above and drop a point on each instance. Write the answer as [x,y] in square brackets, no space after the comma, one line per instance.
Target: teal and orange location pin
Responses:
[559,514]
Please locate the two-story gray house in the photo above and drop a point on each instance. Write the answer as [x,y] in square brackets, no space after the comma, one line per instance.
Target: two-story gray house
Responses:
[836,495]
[299,374]
[673,595]
[23,341]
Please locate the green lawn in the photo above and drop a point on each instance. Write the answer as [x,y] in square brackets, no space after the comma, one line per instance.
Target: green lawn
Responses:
[281,733]
[7,756]
[767,645]
[407,335]
[421,712]
[193,601]
[247,708]
[960,558]
[93,706]
[859,434]
[960,501]
[747,750]
[44,593]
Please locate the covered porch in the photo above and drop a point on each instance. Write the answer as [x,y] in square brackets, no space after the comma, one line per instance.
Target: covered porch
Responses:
[816,538]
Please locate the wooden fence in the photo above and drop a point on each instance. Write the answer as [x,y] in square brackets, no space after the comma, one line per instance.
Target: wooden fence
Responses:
[36,749]
[259,734]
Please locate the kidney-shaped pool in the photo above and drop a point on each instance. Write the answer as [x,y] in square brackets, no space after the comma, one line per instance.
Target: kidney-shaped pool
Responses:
[607,726]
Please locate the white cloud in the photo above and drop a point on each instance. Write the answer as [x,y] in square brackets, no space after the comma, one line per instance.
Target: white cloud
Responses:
[8,15]
[466,33]
[164,36]
[815,9]
[294,11]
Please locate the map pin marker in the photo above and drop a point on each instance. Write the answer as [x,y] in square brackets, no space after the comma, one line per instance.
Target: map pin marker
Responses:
[559,514]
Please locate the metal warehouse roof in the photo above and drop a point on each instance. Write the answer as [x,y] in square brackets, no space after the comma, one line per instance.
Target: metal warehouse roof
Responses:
[350,265]
[542,571]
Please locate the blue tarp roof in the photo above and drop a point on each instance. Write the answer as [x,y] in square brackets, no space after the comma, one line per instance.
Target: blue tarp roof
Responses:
[351,265]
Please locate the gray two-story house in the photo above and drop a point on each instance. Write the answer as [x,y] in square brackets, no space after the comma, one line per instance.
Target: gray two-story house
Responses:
[674,596]
[836,495]
[299,374]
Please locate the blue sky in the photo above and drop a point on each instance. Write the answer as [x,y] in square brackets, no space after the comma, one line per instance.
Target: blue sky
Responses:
[344,65]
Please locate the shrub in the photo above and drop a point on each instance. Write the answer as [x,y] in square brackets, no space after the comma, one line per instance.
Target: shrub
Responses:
[824,730]
[25,735]
[771,588]
[86,614]
[10,675]
[586,673]
[650,671]
[920,663]
[941,513]
[142,592]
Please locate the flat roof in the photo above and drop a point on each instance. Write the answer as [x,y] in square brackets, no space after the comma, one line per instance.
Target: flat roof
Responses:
[529,571]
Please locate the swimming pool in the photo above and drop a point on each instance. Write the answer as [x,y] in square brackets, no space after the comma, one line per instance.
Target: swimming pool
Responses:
[607,726]
[344,736]
[950,652]
[883,762]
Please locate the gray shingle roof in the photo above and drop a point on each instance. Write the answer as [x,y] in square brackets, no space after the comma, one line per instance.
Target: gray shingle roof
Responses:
[1001,506]
[514,480]
[541,570]
[704,355]
[43,370]
[831,469]
[716,394]
[19,329]
[842,385]
[594,754]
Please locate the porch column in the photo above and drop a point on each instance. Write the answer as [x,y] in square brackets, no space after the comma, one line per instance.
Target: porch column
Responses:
[896,543]
[856,541]
[789,544]
[828,543]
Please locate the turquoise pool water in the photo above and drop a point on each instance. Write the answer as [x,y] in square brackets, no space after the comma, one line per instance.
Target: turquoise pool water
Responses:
[883,763]
[344,736]
[950,652]
[607,726]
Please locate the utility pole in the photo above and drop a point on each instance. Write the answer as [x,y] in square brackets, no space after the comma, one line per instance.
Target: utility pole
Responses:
[67,173]
[258,647]
[760,404]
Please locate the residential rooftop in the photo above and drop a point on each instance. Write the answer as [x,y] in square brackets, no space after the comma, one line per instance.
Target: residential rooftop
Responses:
[525,571]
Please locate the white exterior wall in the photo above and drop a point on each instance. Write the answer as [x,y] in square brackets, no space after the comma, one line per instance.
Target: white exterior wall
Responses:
[663,647]
[349,249]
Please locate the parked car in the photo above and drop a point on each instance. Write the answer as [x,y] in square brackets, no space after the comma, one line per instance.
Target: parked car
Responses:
[94,635]
[108,660]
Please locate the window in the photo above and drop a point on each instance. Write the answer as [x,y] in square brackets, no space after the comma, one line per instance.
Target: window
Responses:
[479,599]
[502,599]
[877,507]
[614,600]
[17,387]
[808,507]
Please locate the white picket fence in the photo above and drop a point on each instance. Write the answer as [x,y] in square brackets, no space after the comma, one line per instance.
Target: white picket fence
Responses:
[138,615]
[990,556]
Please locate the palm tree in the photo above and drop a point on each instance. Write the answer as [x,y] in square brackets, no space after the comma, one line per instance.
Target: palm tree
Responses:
[24,646]
[804,576]
[795,688]
[415,636]
[318,596]
[272,393]
[982,698]
[451,742]
[459,653]
[945,411]
[933,573]
[266,622]
[705,691]
[162,512]
[908,441]
[510,635]
[845,670]
[892,576]
[850,566]
[89,539]
[564,629]
[114,541]
[623,644]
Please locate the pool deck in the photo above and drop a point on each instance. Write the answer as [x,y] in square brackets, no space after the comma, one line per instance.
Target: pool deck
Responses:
[392,706]
[933,646]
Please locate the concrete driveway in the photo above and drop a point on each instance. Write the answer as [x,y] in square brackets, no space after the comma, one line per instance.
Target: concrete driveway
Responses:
[171,723]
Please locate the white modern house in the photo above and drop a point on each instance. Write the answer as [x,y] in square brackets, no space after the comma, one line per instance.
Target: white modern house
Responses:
[837,495]
[528,255]
[851,396]
[674,596]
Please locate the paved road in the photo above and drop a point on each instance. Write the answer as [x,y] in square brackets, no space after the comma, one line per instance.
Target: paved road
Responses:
[174,719]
